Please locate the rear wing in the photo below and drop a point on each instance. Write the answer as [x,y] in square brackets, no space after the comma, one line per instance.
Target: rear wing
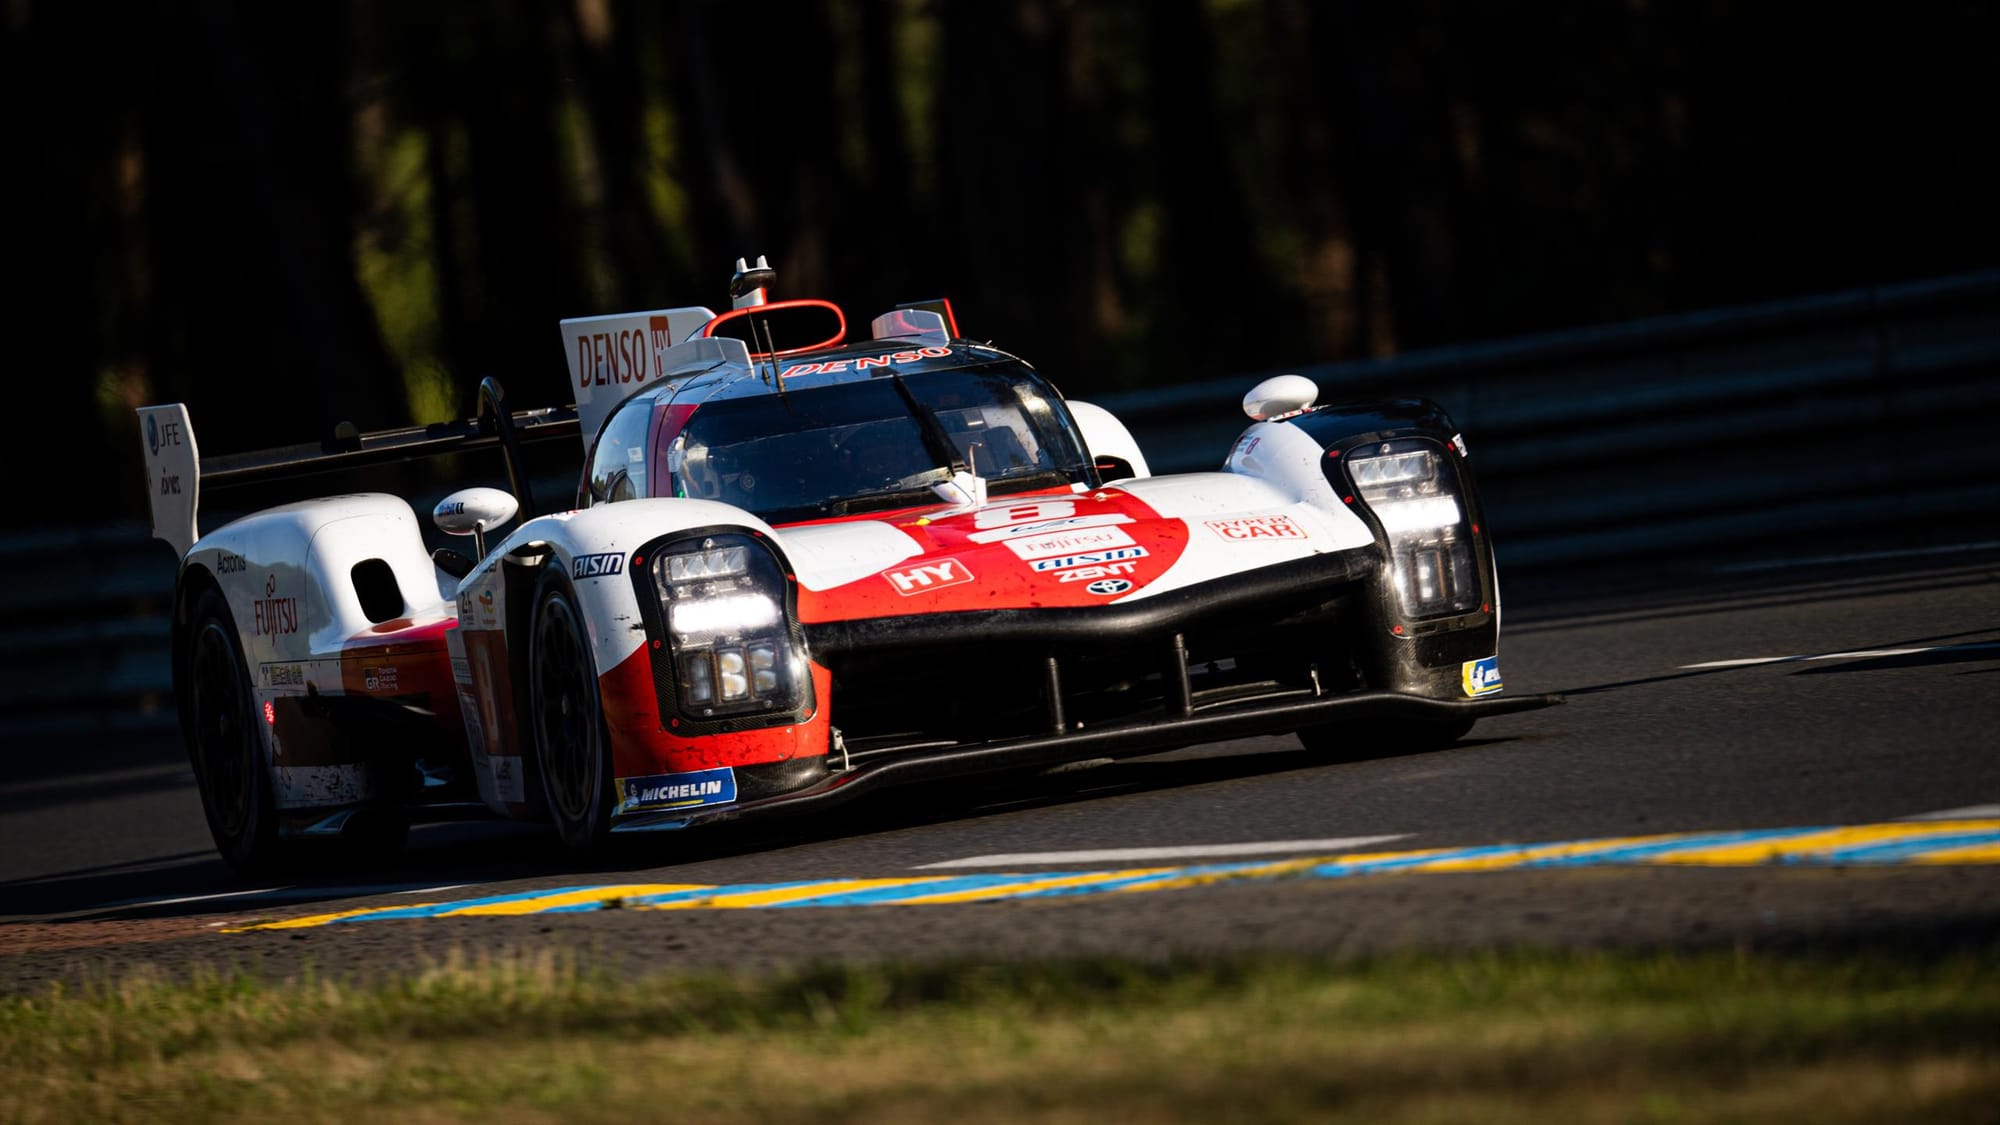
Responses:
[612,357]
[176,472]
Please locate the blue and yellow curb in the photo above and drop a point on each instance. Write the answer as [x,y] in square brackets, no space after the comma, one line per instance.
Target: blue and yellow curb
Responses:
[1936,842]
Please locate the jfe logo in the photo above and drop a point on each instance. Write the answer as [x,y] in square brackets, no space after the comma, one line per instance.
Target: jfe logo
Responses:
[596,566]
[928,576]
[1481,677]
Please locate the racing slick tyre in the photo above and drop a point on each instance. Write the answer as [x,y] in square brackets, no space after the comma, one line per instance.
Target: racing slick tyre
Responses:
[223,746]
[572,752]
[1355,742]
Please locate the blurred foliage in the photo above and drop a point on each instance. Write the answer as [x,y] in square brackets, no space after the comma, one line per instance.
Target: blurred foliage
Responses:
[292,214]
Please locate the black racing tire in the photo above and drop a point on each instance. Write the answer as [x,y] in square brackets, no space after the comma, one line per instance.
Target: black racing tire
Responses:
[223,743]
[572,750]
[1360,741]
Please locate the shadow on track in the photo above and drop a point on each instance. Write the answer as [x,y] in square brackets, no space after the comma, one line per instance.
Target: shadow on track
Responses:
[468,853]
[1949,654]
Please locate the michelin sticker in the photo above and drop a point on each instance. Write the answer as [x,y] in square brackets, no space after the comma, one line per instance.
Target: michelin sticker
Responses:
[678,790]
[1481,677]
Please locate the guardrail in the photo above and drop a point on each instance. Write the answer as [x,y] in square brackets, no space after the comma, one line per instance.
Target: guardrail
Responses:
[1857,420]
[1861,418]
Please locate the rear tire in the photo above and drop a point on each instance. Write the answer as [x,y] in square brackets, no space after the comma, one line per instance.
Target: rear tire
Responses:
[572,752]
[1355,742]
[224,746]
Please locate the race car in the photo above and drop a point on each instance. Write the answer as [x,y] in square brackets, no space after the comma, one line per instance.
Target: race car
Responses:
[799,566]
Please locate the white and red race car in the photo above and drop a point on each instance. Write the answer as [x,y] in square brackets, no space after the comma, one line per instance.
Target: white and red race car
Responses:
[799,566]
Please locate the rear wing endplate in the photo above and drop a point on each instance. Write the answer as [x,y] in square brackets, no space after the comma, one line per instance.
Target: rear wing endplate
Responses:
[173,473]
[176,471]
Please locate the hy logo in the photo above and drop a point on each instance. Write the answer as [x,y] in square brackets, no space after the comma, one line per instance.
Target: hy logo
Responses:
[928,576]
[152,435]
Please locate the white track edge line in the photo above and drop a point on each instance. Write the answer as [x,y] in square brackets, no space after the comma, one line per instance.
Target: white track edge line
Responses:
[1181,851]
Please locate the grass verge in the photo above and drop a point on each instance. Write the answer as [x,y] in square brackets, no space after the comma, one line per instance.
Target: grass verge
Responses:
[1500,1037]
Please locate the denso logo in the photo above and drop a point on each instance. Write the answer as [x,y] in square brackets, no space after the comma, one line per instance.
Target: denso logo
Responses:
[867,361]
[1257,527]
[928,576]
[596,566]
[613,358]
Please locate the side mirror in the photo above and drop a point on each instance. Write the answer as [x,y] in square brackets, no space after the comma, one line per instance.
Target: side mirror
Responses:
[1108,442]
[472,511]
[1280,397]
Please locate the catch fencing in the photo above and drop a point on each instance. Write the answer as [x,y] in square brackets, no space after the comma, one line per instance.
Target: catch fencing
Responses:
[1854,421]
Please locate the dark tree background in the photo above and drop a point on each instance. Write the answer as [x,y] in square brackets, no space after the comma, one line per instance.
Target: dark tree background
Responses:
[288,214]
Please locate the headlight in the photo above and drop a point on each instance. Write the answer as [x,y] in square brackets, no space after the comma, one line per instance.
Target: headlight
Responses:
[1414,494]
[734,650]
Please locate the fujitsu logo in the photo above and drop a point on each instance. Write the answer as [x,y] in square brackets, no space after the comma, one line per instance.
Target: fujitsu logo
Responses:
[274,616]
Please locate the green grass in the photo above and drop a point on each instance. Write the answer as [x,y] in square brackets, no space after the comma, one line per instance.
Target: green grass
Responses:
[1485,1037]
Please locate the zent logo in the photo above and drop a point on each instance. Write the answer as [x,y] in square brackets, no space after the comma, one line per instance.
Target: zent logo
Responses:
[926,577]
[1481,677]
[1108,586]
[596,566]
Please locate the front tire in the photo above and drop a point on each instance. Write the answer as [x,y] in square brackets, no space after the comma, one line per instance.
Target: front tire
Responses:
[224,746]
[572,752]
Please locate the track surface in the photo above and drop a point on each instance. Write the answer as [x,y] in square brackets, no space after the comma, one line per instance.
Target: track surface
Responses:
[97,830]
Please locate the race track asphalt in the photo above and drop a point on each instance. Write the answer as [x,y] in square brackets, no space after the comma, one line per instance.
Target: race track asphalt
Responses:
[99,831]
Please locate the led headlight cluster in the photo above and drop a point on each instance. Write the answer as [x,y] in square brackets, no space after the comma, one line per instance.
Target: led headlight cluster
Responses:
[723,599]
[1414,495]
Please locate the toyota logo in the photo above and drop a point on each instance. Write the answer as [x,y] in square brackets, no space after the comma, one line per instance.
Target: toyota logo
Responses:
[1109,586]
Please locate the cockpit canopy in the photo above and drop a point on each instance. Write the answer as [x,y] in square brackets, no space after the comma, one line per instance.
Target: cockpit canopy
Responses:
[831,449]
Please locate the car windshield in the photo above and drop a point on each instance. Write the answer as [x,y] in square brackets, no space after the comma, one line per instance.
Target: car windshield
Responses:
[882,444]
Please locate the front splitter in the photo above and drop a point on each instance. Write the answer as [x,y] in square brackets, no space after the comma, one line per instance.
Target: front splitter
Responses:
[1123,740]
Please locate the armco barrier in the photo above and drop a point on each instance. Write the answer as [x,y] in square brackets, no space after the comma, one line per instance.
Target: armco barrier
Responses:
[1856,420]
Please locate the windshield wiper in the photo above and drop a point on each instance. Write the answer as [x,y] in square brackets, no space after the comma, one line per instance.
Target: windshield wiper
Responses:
[936,441]
[883,501]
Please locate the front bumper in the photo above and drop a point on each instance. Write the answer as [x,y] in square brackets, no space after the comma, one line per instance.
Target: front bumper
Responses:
[1106,742]
[934,695]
